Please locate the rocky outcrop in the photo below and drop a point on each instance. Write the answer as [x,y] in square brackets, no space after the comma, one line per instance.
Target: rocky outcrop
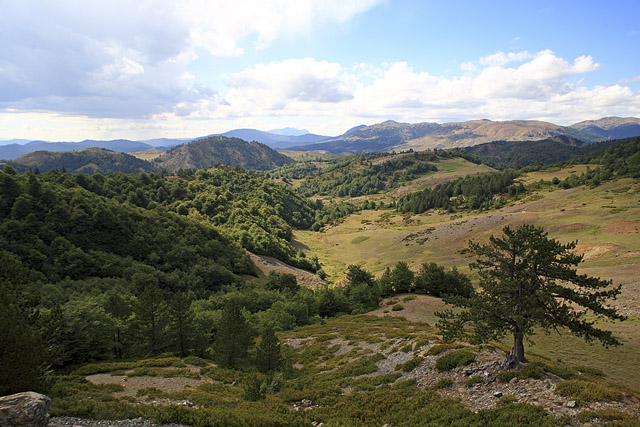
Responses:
[26,409]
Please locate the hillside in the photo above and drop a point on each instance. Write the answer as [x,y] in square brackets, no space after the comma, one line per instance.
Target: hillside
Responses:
[90,161]
[207,152]
[390,135]
[556,149]
[13,151]
[611,127]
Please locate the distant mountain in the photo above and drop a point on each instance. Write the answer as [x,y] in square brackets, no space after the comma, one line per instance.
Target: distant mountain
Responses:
[13,151]
[212,150]
[611,127]
[275,140]
[89,160]
[13,141]
[165,143]
[394,136]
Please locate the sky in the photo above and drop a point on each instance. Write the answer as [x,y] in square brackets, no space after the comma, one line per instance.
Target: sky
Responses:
[73,70]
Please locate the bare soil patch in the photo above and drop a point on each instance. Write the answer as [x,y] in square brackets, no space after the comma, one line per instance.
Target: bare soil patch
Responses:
[267,264]
[419,309]
[132,384]
[622,227]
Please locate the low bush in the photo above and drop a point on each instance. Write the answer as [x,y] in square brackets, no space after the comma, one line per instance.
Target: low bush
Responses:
[410,365]
[454,359]
[588,391]
[527,371]
[443,383]
[441,348]
[476,379]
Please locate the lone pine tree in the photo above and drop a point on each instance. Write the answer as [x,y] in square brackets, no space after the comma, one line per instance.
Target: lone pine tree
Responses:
[529,281]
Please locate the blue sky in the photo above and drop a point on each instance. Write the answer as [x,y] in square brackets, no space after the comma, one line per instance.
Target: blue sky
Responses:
[71,70]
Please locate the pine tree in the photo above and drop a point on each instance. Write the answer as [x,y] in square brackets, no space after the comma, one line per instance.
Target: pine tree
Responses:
[232,336]
[524,277]
[268,352]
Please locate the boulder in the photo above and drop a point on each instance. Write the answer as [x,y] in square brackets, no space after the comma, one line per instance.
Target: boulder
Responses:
[27,409]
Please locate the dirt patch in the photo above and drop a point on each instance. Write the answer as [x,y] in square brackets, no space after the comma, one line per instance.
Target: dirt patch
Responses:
[133,384]
[419,309]
[267,264]
[592,251]
[622,227]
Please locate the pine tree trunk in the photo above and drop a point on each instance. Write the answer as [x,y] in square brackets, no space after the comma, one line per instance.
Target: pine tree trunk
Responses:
[518,348]
[515,358]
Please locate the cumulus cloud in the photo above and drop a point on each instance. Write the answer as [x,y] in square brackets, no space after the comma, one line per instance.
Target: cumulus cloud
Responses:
[116,58]
[287,85]
[220,26]
[502,86]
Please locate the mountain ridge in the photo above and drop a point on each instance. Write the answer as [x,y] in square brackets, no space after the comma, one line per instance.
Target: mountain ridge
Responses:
[394,136]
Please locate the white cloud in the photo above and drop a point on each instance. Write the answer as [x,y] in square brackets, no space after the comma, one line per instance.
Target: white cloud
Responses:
[116,58]
[503,86]
[500,58]
[220,25]
[287,85]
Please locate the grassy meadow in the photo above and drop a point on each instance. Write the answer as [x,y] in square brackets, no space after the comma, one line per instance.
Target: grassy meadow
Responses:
[604,220]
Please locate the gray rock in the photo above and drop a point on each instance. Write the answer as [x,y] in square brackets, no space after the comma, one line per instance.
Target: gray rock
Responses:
[24,409]
[497,394]
[571,404]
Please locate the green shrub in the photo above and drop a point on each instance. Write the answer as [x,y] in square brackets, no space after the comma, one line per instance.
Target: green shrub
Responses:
[196,361]
[162,362]
[607,415]
[150,392]
[443,383]
[454,359]
[476,379]
[527,371]
[441,348]
[506,400]
[588,391]
[409,298]
[166,373]
[407,348]
[560,371]
[506,376]
[410,365]
[397,307]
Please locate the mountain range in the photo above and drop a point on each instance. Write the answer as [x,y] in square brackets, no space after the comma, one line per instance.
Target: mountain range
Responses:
[381,137]
[394,136]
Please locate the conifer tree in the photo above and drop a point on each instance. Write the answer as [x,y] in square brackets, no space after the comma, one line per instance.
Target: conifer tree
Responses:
[529,281]
[232,336]
[268,352]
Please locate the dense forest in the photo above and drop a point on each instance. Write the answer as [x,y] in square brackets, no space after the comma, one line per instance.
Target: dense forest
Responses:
[471,192]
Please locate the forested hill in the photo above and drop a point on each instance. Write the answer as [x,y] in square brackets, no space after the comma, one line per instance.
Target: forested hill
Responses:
[68,237]
[556,149]
[213,150]
[90,160]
